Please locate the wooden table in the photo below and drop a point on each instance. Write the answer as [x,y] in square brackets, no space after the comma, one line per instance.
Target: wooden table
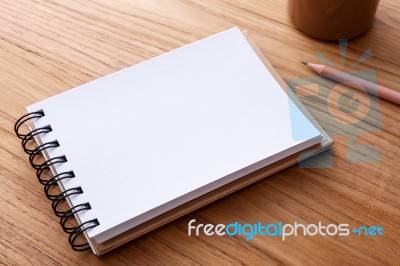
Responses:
[47,47]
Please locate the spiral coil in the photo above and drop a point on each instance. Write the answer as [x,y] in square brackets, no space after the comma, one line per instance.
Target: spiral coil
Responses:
[38,151]
[48,183]
[31,136]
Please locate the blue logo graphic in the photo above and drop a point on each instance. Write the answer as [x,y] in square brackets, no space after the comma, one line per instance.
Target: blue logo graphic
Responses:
[340,110]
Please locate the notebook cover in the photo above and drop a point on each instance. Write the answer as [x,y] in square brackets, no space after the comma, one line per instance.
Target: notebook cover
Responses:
[202,202]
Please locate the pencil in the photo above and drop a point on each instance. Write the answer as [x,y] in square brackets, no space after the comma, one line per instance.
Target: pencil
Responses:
[356,82]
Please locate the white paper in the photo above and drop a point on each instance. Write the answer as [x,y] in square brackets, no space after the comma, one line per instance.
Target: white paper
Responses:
[152,136]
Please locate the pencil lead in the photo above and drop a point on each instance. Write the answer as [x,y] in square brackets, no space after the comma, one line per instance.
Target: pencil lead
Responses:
[305,63]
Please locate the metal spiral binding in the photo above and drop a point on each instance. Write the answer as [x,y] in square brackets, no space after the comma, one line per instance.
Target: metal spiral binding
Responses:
[24,119]
[38,151]
[53,182]
[73,231]
[46,167]
[62,197]
[70,214]
[80,229]
[31,136]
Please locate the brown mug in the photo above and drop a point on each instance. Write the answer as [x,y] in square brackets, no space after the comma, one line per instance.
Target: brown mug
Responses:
[332,19]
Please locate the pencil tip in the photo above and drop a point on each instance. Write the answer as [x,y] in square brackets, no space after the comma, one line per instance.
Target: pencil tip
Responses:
[304,63]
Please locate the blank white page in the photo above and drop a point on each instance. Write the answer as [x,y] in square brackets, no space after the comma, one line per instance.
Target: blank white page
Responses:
[142,140]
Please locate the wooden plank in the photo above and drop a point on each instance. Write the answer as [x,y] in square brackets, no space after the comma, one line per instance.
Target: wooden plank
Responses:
[47,47]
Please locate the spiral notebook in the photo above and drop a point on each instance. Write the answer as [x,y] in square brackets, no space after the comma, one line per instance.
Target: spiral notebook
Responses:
[140,147]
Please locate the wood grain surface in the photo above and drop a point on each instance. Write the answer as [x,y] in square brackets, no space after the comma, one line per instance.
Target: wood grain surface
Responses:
[47,47]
